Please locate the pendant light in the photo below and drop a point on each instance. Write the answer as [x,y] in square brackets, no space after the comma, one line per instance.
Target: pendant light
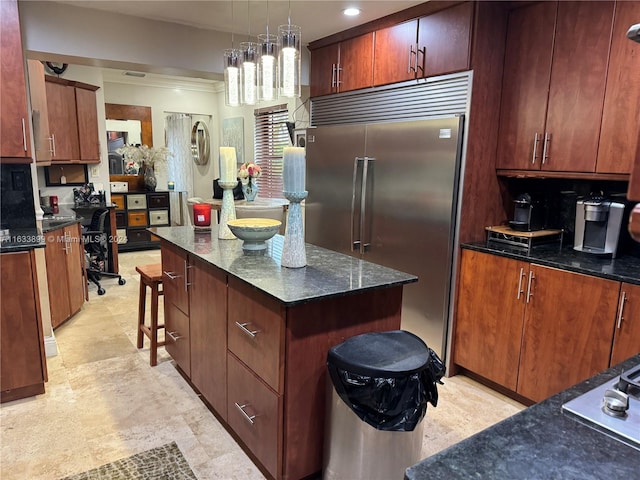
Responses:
[289,59]
[268,65]
[249,67]
[232,57]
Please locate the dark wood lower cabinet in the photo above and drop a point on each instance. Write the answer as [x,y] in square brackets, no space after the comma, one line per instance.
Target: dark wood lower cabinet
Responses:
[23,368]
[537,330]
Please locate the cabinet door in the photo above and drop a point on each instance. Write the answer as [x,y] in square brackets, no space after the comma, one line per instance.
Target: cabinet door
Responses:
[63,123]
[578,78]
[75,268]
[568,329]
[490,313]
[39,115]
[324,62]
[87,114]
[626,340]
[22,362]
[445,37]
[14,119]
[620,118]
[525,86]
[395,53]
[356,63]
[208,333]
[174,277]
[56,260]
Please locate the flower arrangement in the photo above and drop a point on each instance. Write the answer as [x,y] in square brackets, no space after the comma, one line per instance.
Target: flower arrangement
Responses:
[149,157]
[248,171]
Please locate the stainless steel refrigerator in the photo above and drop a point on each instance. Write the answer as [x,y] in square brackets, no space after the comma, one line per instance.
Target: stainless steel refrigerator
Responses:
[387,193]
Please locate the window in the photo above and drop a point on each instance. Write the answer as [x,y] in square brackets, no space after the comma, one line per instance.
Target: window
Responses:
[271,136]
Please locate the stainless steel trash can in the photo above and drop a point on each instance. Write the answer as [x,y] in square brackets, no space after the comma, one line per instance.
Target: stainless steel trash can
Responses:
[377,390]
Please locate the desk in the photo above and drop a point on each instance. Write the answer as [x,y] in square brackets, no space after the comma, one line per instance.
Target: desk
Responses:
[86,212]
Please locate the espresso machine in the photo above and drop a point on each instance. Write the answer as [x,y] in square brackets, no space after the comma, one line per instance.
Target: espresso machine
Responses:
[598,225]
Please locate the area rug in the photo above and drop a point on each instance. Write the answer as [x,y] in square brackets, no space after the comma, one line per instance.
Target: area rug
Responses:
[165,463]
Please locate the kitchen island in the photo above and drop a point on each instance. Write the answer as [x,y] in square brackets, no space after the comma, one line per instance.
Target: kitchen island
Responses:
[541,442]
[252,336]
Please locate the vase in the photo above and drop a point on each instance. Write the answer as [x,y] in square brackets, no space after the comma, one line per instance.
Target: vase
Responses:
[250,190]
[150,181]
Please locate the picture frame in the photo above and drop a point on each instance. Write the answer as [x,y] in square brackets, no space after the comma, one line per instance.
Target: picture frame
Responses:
[66,175]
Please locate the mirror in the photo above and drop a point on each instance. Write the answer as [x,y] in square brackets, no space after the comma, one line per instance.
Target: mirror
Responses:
[119,134]
[200,143]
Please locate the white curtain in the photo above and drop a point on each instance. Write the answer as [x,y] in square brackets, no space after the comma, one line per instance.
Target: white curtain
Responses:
[180,165]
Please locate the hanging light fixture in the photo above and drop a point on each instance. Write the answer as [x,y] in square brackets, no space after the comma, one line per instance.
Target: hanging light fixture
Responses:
[249,67]
[232,57]
[289,59]
[268,66]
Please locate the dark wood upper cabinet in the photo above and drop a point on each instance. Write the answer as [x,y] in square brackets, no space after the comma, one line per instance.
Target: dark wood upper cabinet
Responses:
[15,141]
[63,122]
[395,53]
[87,115]
[619,144]
[341,67]
[578,79]
[444,40]
[525,85]
[554,86]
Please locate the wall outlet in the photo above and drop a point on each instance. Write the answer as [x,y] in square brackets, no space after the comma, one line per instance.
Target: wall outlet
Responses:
[95,171]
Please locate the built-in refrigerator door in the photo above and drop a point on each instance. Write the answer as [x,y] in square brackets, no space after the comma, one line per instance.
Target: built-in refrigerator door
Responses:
[410,214]
[334,185]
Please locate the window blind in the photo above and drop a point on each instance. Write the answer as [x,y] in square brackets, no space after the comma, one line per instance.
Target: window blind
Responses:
[271,136]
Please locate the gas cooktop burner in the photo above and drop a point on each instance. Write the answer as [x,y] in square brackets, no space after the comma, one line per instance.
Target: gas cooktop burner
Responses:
[613,406]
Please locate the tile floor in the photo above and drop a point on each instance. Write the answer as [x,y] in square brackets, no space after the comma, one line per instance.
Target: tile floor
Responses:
[104,402]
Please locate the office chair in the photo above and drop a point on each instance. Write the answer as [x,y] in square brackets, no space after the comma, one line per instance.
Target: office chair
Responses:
[96,248]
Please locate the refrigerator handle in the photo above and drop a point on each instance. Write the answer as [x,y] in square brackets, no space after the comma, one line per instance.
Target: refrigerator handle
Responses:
[355,237]
[364,244]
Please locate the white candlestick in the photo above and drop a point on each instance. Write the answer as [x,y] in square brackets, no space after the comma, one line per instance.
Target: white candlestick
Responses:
[228,170]
[294,169]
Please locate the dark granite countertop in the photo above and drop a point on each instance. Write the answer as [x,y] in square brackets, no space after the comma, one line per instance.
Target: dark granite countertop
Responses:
[327,274]
[541,442]
[51,224]
[624,268]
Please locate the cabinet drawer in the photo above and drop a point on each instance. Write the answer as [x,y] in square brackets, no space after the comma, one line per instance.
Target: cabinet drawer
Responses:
[177,336]
[137,202]
[158,200]
[254,413]
[138,235]
[118,200]
[137,219]
[159,217]
[121,233]
[256,332]
[121,219]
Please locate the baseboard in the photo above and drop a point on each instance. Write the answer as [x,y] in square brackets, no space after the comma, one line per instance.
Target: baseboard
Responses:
[50,346]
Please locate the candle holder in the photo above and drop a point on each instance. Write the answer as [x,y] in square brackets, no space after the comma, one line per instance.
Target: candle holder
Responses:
[294,254]
[227,211]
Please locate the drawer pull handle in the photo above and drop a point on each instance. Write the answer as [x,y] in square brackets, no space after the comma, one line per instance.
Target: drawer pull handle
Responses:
[621,310]
[243,327]
[173,336]
[171,275]
[532,277]
[248,417]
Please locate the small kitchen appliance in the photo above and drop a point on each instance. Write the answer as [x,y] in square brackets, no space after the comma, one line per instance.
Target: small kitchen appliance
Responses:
[530,214]
[613,407]
[598,225]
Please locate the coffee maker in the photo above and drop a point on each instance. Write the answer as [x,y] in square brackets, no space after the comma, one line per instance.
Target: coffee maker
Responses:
[529,213]
[598,225]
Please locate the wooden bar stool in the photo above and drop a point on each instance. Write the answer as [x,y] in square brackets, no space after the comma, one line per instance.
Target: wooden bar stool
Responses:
[150,276]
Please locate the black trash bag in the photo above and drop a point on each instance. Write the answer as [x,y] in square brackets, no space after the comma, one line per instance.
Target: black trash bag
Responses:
[386,378]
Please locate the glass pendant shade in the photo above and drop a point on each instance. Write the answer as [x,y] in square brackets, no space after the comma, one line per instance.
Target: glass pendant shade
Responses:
[289,60]
[268,67]
[249,72]
[232,90]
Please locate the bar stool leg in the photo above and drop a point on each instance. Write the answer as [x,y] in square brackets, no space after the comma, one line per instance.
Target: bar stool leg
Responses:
[141,312]
[154,324]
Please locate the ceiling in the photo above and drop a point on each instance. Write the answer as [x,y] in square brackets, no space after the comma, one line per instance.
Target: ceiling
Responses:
[317,18]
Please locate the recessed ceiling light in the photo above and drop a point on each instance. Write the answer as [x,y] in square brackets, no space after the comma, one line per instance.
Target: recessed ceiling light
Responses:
[351,12]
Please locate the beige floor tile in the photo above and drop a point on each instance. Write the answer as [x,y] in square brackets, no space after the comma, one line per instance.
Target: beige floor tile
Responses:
[104,401]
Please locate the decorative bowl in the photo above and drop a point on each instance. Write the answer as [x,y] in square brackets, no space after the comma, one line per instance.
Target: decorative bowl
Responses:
[254,231]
